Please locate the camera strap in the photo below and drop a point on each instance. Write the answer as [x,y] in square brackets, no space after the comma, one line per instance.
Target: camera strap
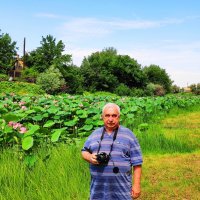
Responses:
[114,138]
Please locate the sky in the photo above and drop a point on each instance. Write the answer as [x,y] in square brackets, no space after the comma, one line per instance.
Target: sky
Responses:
[163,33]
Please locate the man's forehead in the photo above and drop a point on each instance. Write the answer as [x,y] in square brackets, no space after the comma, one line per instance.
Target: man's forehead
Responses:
[111,110]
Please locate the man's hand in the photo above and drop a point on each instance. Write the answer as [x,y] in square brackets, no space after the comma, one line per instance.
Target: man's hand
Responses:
[136,191]
[93,159]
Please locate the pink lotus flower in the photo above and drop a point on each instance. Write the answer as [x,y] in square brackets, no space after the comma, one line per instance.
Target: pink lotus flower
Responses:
[23,130]
[24,108]
[17,125]
[21,103]
[10,123]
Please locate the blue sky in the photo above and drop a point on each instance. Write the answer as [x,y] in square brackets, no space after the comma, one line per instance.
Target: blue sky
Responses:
[164,33]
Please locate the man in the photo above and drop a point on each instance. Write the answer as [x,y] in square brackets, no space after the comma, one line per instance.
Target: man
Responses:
[112,152]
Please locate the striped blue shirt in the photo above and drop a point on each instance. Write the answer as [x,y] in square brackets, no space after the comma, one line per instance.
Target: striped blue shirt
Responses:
[126,152]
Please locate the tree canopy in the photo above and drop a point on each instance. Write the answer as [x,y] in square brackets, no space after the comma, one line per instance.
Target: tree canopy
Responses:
[48,54]
[105,70]
[157,75]
[8,51]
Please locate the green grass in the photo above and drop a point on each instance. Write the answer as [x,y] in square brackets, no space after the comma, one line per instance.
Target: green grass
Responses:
[64,176]
[178,132]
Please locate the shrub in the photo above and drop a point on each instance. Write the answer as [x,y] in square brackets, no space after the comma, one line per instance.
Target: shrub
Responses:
[51,80]
[122,90]
[20,88]
[3,77]
[154,89]
[159,90]
[29,75]
[137,92]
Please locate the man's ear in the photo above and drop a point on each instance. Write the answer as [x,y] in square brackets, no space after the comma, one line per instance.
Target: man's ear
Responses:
[101,117]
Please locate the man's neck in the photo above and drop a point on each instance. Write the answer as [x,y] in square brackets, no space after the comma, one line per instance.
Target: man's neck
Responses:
[110,130]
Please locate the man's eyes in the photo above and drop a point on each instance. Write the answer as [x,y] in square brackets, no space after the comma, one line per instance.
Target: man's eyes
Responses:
[113,115]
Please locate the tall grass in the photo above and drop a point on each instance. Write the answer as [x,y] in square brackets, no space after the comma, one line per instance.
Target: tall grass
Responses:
[156,137]
[63,176]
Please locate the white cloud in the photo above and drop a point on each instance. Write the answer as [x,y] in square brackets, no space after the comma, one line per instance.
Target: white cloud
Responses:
[47,15]
[93,27]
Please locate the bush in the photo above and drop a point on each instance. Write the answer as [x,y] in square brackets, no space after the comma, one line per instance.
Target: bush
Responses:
[20,88]
[51,80]
[122,90]
[154,89]
[3,77]
[137,92]
[29,75]
[159,90]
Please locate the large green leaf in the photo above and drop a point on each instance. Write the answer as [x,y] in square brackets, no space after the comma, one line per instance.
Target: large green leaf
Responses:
[49,123]
[56,134]
[27,142]
[71,123]
[87,127]
[13,117]
[32,129]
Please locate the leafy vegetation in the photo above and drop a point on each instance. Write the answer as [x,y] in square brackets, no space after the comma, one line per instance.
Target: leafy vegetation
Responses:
[101,71]
[34,121]
[19,88]
[8,50]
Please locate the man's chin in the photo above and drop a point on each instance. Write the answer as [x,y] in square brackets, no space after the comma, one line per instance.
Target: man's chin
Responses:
[112,126]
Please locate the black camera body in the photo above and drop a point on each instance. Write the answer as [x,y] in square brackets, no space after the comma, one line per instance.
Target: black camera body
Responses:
[103,158]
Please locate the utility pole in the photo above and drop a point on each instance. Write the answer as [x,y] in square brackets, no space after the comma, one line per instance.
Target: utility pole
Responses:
[24,53]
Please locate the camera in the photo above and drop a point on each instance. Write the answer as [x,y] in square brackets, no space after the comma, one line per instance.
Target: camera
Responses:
[103,158]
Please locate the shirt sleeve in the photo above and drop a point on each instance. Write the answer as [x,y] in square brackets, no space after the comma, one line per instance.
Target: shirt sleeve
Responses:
[135,152]
[86,146]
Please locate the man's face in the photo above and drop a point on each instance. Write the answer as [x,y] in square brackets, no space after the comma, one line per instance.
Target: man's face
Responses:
[111,118]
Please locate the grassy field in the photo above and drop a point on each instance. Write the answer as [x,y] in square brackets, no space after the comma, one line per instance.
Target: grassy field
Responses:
[175,176]
[171,150]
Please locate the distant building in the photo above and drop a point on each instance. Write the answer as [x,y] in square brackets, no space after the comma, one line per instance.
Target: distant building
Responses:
[187,89]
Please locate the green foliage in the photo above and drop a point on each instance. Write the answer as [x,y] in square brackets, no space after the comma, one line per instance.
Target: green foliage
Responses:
[195,88]
[20,88]
[34,121]
[157,75]
[154,90]
[51,80]
[29,75]
[176,89]
[4,77]
[7,52]
[73,79]
[137,92]
[123,90]
[50,53]
[105,70]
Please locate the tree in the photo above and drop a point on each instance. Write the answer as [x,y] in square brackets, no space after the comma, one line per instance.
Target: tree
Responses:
[97,71]
[73,79]
[159,76]
[48,54]
[8,50]
[105,70]
[129,72]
